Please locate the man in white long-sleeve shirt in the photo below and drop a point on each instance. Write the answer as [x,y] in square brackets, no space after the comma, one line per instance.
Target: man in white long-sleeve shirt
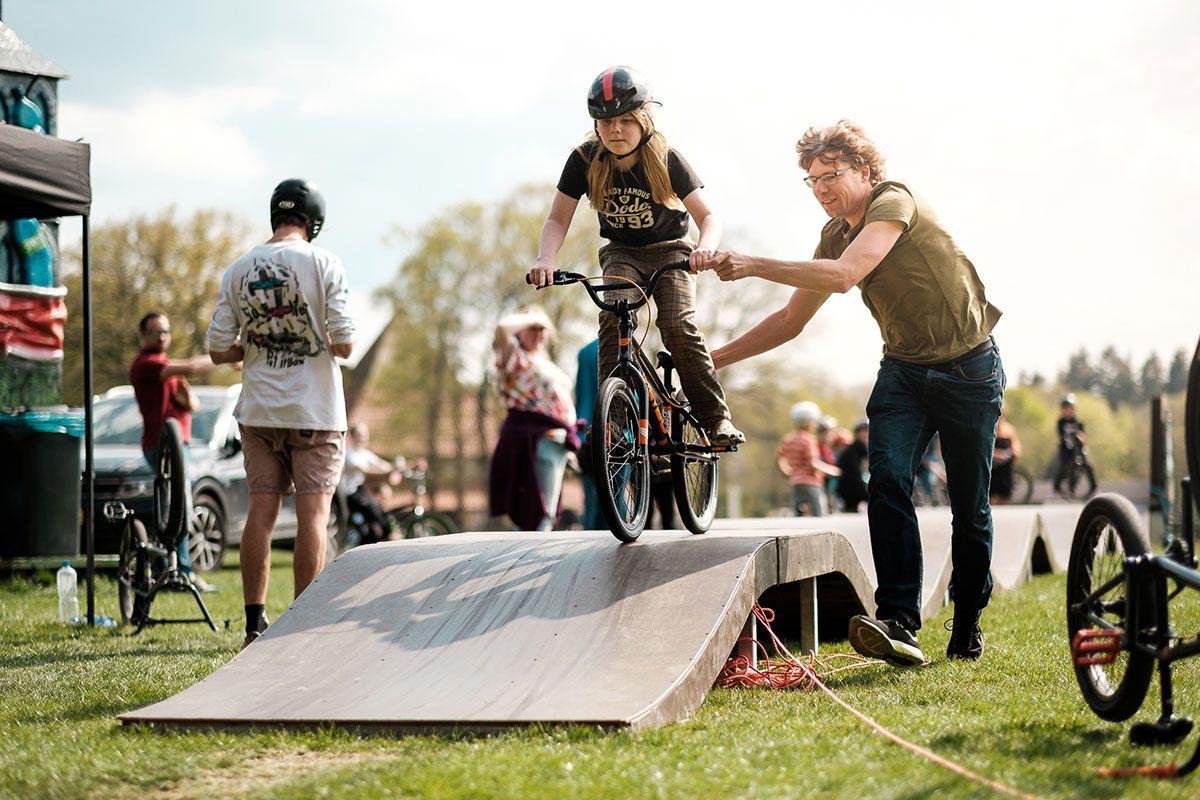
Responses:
[281,311]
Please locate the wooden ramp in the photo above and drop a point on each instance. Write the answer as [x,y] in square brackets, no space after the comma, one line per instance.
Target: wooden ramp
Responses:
[486,631]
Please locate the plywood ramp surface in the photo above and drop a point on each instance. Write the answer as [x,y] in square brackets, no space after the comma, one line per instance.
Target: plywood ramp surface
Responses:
[494,630]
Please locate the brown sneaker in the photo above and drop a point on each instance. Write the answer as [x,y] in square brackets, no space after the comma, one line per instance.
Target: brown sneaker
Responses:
[725,435]
[250,637]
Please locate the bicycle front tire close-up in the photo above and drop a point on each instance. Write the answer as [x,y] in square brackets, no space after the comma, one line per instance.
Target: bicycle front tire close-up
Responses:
[620,463]
[694,476]
[1109,530]
[169,486]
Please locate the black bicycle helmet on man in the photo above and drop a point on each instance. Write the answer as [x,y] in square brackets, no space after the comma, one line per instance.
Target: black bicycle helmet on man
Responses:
[295,199]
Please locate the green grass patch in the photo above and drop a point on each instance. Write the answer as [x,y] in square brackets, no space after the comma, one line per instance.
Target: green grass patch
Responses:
[1016,717]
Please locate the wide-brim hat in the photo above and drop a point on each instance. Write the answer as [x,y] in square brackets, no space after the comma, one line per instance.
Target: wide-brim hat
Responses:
[530,317]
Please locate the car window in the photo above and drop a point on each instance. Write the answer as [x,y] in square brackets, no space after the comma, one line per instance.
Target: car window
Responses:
[117,420]
[203,421]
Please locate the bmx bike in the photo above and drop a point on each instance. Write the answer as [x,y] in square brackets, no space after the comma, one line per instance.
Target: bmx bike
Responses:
[642,422]
[1119,598]
[1076,479]
[415,520]
[145,567]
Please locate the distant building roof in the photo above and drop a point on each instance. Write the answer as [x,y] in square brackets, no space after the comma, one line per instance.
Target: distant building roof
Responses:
[16,56]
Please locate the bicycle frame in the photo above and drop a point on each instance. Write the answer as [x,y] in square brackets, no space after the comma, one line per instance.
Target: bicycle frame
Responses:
[654,393]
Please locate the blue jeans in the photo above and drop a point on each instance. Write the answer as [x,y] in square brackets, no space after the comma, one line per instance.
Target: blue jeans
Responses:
[551,459]
[960,400]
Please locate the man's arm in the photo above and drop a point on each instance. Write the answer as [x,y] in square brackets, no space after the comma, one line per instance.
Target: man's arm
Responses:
[196,365]
[338,324]
[779,327]
[820,275]
[233,355]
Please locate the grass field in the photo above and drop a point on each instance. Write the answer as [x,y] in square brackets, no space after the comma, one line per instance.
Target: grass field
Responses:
[1016,717]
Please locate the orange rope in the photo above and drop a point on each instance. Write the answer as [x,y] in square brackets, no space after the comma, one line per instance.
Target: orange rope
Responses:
[792,672]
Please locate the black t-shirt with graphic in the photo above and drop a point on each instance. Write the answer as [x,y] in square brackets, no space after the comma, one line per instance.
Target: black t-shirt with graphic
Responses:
[1068,430]
[629,214]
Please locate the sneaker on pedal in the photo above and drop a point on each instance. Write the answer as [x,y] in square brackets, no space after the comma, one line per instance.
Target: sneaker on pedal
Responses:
[966,639]
[886,640]
[725,435]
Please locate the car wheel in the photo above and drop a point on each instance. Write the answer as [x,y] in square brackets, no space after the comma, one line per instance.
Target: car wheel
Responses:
[206,535]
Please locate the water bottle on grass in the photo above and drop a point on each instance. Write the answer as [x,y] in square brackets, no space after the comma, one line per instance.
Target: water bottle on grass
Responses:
[68,594]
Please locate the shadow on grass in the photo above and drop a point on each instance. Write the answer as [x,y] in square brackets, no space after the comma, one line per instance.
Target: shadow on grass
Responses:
[51,659]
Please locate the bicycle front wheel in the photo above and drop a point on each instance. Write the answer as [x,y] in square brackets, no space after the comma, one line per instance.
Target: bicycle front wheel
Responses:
[431,523]
[620,461]
[694,476]
[1109,529]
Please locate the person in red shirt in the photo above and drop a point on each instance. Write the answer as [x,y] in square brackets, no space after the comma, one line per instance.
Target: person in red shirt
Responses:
[161,390]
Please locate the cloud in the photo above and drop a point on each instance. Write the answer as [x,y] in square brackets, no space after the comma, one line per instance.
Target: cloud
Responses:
[162,135]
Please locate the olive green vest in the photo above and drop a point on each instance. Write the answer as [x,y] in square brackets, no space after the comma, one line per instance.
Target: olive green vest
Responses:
[925,293]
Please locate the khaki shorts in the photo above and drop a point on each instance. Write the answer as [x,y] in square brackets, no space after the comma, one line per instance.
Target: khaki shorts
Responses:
[285,460]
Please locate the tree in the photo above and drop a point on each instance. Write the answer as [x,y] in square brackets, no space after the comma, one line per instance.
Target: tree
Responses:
[147,262]
[1177,375]
[1151,381]
[1079,374]
[1115,378]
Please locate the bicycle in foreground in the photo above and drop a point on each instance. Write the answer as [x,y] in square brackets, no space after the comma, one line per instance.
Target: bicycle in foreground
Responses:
[1118,605]
[643,422]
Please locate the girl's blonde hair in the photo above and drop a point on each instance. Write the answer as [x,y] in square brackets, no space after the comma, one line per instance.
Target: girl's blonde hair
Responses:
[654,164]
[846,141]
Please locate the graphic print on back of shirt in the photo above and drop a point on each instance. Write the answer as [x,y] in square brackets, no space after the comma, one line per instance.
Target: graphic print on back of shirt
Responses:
[277,316]
[628,207]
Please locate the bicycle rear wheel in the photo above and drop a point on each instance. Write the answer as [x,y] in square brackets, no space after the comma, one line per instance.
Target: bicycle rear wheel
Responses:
[1022,486]
[431,523]
[1109,529]
[620,462]
[694,476]
[169,486]
[128,579]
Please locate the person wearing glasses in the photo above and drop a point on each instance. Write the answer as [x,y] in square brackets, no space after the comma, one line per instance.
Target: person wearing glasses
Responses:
[161,390]
[940,373]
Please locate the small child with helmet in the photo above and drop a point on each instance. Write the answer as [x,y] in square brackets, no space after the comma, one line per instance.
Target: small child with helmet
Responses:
[799,458]
[643,192]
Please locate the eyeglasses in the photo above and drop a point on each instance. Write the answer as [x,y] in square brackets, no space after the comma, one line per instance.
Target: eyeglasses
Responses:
[828,179]
[159,334]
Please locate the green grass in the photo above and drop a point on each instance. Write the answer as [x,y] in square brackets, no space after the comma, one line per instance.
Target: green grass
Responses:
[1016,717]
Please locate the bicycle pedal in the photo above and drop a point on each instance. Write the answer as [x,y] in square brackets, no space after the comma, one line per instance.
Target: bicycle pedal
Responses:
[1163,731]
[1095,646]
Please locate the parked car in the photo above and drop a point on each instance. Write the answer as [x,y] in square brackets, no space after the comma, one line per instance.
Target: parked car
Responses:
[220,498]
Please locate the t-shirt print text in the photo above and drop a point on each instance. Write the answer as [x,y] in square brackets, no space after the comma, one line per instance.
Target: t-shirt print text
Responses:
[629,208]
[277,317]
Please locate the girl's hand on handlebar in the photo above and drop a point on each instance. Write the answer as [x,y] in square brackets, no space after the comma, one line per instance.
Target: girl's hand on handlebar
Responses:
[702,259]
[542,274]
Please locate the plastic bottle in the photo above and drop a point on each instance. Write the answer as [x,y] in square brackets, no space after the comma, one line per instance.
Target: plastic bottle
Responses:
[68,594]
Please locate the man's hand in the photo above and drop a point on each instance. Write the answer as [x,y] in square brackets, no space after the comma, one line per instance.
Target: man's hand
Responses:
[542,273]
[731,266]
[234,355]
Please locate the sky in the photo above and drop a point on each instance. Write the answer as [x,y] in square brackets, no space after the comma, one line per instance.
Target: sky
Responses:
[1056,141]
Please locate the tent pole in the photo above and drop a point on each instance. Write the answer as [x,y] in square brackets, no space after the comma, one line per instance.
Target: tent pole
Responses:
[88,468]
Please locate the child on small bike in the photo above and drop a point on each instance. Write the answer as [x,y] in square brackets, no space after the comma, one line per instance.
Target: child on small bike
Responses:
[642,191]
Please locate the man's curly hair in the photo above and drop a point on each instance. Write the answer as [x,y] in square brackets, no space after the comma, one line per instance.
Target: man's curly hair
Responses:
[845,141]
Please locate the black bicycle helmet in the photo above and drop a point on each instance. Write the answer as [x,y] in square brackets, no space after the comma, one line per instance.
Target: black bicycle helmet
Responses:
[617,91]
[300,198]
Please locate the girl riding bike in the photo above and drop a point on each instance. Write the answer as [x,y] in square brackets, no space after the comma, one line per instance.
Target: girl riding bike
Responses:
[643,192]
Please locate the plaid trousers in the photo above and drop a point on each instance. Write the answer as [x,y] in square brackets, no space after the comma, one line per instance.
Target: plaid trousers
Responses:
[676,301]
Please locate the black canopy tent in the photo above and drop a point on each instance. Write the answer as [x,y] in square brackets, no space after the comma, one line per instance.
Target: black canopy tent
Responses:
[45,177]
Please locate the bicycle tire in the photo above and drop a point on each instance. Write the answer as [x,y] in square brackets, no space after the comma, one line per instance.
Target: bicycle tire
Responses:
[695,479]
[431,523]
[1022,486]
[128,579]
[620,463]
[1191,422]
[170,483]
[1109,529]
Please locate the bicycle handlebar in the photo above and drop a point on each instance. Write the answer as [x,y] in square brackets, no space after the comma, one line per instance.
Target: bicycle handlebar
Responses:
[562,278]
